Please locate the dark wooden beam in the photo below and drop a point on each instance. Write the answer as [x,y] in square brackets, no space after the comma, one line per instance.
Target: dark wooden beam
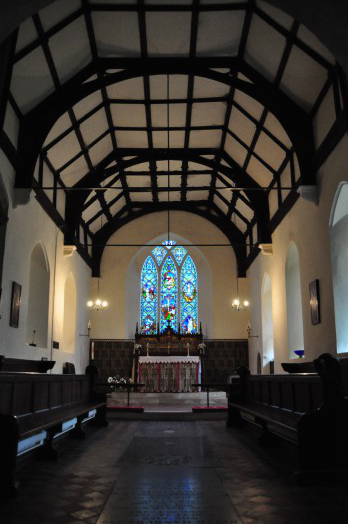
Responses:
[210,212]
[7,49]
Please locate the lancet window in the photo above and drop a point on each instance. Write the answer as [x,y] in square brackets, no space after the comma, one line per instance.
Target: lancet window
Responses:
[169,290]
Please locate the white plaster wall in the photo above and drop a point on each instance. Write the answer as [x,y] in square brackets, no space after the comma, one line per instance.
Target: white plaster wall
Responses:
[308,226]
[120,277]
[27,226]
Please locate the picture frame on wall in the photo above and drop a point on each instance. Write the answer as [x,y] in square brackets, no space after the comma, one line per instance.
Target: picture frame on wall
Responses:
[314,301]
[15,304]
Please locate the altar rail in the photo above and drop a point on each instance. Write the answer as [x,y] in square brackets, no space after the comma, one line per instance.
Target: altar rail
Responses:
[222,358]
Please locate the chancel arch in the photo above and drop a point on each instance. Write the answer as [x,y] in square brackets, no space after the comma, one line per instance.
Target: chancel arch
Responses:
[293,302]
[38,298]
[267,322]
[69,321]
[339,264]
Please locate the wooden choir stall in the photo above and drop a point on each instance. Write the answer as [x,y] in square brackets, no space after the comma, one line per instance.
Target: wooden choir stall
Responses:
[169,362]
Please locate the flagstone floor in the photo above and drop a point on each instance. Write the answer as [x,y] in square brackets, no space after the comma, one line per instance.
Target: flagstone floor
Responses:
[160,472]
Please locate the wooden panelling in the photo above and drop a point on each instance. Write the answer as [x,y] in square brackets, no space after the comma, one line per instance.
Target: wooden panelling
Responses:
[40,396]
[23,401]
[28,393]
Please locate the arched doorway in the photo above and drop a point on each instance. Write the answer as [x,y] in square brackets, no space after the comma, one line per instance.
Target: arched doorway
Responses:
[38,300]
[339,263]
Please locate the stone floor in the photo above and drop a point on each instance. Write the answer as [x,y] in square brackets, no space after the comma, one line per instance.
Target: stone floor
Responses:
[139,472]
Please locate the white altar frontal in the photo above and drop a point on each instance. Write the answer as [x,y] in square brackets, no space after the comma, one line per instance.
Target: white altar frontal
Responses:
[168,374]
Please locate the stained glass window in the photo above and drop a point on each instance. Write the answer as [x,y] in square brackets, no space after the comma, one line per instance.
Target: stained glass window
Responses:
[179,253]
[169,294]
[169,243]
[159,253]
[189,297]
[148,300]
[160,300]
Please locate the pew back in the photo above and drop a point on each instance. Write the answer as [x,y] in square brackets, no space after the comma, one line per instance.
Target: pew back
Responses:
[25,393]
[296,393]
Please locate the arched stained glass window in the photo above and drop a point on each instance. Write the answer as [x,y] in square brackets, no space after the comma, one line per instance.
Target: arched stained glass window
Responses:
[169,243]
[169,290]
[179,253]
[189,298]
[148,300]
[159,253]
[169,294]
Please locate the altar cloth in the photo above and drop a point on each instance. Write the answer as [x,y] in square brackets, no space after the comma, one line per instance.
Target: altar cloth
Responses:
[168,359]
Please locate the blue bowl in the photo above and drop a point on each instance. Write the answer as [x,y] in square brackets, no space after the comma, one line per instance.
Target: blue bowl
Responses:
[299,352]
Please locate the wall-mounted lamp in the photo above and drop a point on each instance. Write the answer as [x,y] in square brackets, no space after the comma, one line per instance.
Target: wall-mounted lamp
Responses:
[249,332]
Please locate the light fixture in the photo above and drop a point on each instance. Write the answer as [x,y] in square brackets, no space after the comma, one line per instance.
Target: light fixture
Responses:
[237,305]
[98,303]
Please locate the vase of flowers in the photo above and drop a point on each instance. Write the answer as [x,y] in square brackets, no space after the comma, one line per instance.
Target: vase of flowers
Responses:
[118,382]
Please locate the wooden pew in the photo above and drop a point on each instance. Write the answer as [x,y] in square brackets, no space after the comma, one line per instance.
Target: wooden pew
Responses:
[25,365]
[309,410]
[34,409]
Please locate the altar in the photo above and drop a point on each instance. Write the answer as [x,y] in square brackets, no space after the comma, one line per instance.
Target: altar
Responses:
[169,374]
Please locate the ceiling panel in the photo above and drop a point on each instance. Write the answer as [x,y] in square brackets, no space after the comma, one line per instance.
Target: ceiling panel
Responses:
[31,80]
[205,87]
[219,32]
[26,34]
[131,139]
[65,150]
[94,126]
[58,11]
[116,33]
[168,35]
[265,47]
[205,138]
[242,126]
[128,115]
[303,78]
[87,104]
[100,150]
[127,89]
[208,114]
[72,42]
[235,150]
[62,124]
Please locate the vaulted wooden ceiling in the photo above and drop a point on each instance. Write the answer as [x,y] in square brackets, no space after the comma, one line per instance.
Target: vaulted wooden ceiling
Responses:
[129,107]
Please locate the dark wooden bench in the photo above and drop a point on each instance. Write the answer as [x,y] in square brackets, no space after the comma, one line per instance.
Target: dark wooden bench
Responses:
[35,409]
[25,365]
[309,410]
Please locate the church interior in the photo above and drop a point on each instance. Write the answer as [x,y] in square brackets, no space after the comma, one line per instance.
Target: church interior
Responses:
[173,261]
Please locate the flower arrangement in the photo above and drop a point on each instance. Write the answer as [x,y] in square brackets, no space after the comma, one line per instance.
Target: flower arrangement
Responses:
[119,381]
